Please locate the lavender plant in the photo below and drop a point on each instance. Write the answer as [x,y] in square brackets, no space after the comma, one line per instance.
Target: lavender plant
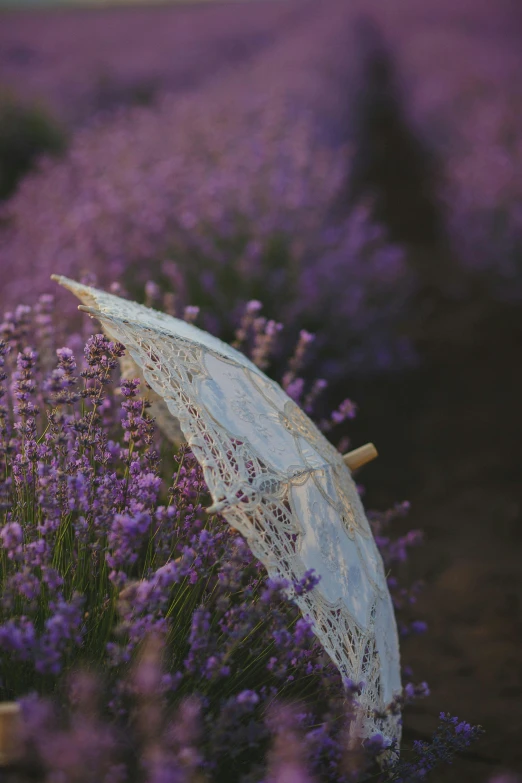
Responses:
[151,48]
[105,545]
[223,197]
[482,195]
[464,101]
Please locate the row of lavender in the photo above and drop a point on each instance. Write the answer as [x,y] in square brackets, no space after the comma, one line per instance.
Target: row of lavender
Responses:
[221,196]
[85,60]
[105,545]
[461,92]
[460,66]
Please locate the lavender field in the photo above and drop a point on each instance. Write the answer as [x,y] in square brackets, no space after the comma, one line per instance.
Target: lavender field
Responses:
[334,189]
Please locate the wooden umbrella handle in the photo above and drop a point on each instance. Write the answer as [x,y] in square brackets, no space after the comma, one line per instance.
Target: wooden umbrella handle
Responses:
[10,725]
[359,457]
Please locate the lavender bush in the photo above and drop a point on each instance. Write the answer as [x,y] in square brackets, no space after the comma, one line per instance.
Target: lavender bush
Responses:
[483,198]
[221,197]
[216,229]
[459,68]
[48,54]
[105,545]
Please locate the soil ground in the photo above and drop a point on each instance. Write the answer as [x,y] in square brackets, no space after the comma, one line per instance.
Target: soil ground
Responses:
[449,436]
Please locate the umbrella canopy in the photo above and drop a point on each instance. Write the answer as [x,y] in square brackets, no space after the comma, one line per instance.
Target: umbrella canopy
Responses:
[277,480]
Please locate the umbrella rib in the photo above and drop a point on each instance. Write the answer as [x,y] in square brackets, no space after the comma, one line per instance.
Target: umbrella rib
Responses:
[229,503]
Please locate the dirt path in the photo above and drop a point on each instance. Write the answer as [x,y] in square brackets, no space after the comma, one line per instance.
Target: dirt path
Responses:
[449,432]
[449,437]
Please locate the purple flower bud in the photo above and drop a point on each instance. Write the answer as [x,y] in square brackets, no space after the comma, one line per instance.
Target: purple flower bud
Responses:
[11,535]
[247,697]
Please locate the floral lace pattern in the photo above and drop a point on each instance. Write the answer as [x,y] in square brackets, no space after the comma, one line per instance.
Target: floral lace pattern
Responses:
[278,481]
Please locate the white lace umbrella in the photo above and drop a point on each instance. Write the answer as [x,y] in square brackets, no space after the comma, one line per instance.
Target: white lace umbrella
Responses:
[277,480]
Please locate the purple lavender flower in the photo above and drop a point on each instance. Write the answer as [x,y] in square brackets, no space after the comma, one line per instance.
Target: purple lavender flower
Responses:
[12,536]
[452,736]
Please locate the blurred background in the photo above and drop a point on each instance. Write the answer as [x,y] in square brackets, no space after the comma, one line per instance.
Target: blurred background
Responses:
[357,167]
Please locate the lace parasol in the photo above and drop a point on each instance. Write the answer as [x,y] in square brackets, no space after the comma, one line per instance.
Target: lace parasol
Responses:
[277,480]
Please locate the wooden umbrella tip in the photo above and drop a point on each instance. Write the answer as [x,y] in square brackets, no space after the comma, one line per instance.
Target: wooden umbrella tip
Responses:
[89,310]
[358,457]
